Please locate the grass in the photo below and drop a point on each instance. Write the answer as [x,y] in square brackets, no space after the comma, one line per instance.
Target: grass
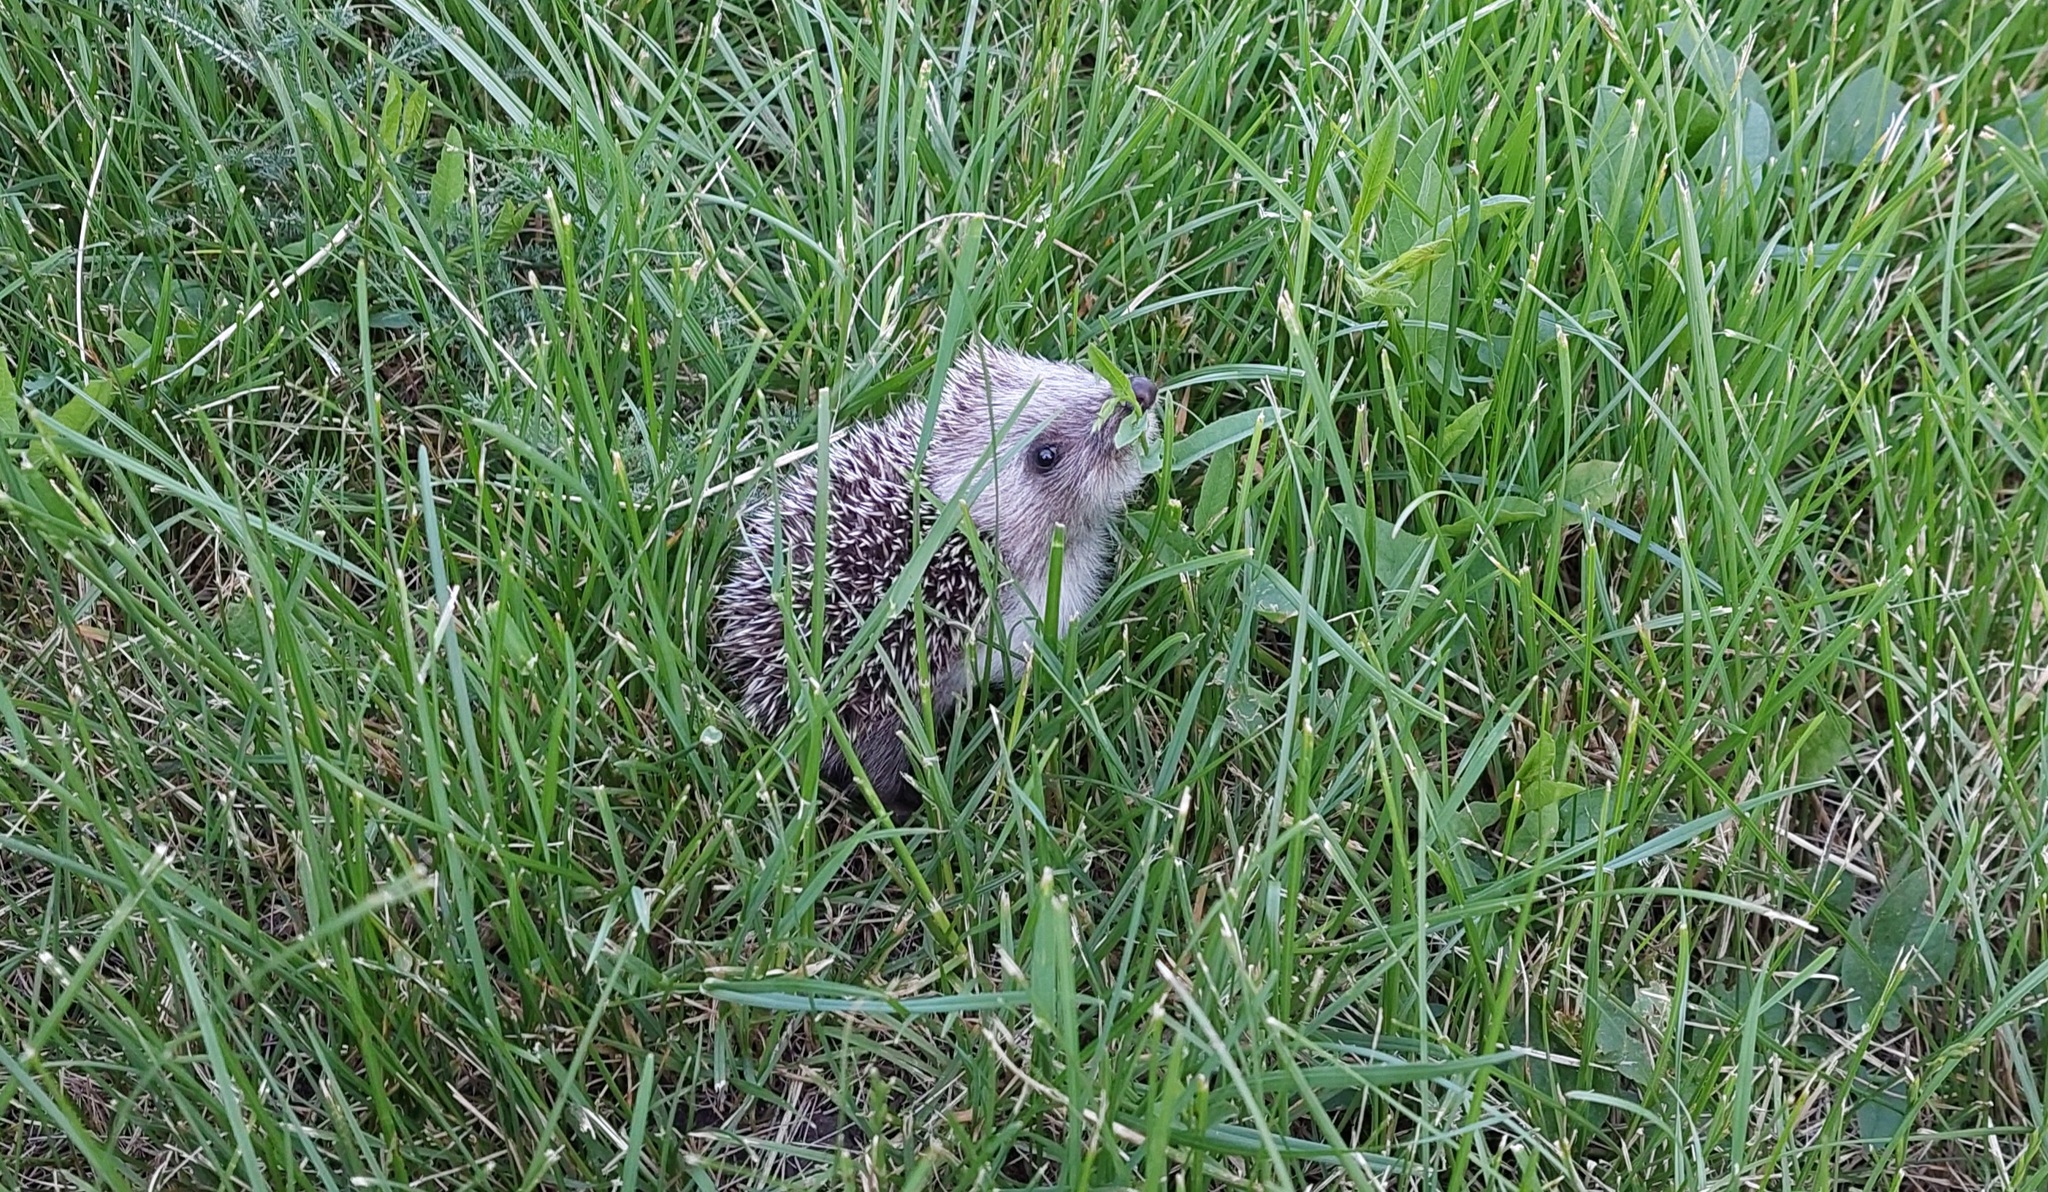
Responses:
[1588,735]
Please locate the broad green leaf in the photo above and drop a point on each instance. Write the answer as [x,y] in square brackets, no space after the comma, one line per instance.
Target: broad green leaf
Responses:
[515,648]
[1132,429]
[1119,384]
[1551,804]
[2021,141]
[342,139]
[1857,119]
[1536,782]
[1120,394]
[1498,511]
[1218,484]
[1482,815]
[1593,483]
[1613,157]
[1354,523]
[1267,594]
[1465,830]
[1378,168]
[510,219]
[242,625]
[403,116]
[389,116]
[1413,259]
[1697,118]
[1540,761]
[1249,709]
[1345,651]
[79,414]
[1549,327]
[1224,432]
[1759,138]
[1897,931]
[1489,208]
[415,120]
[1540,793]
[1423,201]
[2026,130]
[1396,553]
[451,176]
[1879,1119]
[1738,152]
[133,340]
[1461,430]
[1864,976]
[1723,75]
[1387,284]
[1819,745]
[325,312]
[1582,813]
[1622,1037]
[1052,941]
[1055,996]
[1394,297]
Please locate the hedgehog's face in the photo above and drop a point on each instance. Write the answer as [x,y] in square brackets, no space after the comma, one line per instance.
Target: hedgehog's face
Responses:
[1056,459]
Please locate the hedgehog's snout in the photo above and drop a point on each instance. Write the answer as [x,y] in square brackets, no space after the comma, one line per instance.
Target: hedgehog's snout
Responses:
[1147,393]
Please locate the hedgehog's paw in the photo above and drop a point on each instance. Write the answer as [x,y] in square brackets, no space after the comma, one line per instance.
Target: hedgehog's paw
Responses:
[887,761]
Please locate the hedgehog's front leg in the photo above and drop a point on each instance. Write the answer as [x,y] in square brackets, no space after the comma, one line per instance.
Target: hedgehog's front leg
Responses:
[887,762]
[886,759]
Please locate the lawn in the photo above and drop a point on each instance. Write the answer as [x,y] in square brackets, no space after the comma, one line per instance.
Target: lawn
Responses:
[1569,713]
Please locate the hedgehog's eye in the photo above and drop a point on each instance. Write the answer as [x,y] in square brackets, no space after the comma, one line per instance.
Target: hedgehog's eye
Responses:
[1046,457]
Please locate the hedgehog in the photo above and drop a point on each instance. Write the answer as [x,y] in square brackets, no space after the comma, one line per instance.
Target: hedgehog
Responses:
[1017,445]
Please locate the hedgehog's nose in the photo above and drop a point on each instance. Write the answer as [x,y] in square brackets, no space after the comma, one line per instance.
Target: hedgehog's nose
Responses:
[1145,391]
